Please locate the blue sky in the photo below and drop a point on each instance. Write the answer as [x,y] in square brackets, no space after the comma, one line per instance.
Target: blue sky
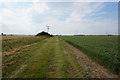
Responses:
[62,17]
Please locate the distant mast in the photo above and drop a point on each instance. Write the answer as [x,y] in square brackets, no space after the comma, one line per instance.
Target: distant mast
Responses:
[48,28]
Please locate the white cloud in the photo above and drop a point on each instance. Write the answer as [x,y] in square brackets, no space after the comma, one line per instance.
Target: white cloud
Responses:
[87,27]
[38,7]
[81,10]
[19,21]
[35,17]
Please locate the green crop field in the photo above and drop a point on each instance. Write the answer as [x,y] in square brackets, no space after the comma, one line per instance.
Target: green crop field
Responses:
[103,49]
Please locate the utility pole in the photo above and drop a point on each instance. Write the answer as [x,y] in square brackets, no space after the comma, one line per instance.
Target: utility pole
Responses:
[106,33]
[76,33]
[48,28]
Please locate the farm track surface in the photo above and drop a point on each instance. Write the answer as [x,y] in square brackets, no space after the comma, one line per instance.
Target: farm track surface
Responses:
[54,58]
[93,69]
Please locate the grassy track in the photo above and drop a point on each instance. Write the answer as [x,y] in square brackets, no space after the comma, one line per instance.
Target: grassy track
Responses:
[58,62]
[38,64]
[44,59]
[49,61]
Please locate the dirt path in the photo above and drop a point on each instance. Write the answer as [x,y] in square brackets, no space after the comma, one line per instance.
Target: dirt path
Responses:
[93,69]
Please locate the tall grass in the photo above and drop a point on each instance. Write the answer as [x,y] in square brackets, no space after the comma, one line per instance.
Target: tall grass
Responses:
[11,42]
[103,49]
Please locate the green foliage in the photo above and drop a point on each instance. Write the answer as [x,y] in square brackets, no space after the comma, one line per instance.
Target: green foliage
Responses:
[44,34]
[103,49]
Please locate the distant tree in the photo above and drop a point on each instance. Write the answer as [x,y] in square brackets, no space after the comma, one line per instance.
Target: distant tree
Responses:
[43,33]
[2,34]
[11,35]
